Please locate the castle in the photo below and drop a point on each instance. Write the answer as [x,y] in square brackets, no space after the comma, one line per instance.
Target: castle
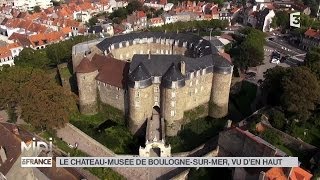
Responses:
[140,73]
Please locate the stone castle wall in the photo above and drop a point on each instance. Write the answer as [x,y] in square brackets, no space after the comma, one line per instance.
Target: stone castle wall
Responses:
[76,59]
[172,108]
[140,107]
[198,91]
[87,92]
[218,106]
[112,96]
[126,53]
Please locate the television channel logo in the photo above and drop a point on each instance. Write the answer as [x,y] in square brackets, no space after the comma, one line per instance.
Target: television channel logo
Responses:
[36,147]
[295,19]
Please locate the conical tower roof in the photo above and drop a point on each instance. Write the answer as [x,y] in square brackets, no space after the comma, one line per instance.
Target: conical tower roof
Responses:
[86,66]
[173,74]
[139,73]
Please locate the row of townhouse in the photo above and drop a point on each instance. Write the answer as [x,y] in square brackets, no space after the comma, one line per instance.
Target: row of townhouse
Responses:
[186,11]
[9,52]
[20,41]
[311,38]
[261,13]
[27,5]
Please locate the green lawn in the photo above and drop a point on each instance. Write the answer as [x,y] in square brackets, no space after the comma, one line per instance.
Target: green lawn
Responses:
[308,133]
[108,127]
[100,172]
[65,73]
[195,133]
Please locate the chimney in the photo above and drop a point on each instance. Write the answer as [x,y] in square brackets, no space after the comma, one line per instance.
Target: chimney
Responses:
[183,67]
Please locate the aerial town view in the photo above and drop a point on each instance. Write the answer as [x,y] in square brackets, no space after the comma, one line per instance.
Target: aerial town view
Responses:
[159,89]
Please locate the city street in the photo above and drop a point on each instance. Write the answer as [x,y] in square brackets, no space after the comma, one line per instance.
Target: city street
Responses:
[267,64]
[285,48]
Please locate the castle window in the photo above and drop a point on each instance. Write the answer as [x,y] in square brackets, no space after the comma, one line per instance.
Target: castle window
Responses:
[118,89]
[173,94]
[156,89]
[196,90]
[98,82]
[104,84]
[173,113]
[137,94]
[197,81]
[117,96]
[190,83]
[84,77]
[173,103]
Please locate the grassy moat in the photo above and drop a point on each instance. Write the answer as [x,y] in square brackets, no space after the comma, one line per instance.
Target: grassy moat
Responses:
[108,127]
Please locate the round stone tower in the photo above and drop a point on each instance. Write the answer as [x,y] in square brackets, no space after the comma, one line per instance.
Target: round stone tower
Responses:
[140,99]
[173,99]
[221,81]
[86,73]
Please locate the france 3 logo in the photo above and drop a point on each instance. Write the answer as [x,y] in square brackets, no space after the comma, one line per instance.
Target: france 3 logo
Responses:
[295,19]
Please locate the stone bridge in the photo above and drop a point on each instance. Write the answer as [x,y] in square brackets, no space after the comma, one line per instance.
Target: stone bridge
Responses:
[155,137]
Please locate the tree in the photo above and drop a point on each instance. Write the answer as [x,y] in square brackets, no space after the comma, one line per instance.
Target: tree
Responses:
[32,58]
[272,84]
[37,9]
[301,92]
[278,119]
[296,90]
[281,19]
[313,60]
[219,2]
[248,51]
[271,137]
[92,21]
[43,102]
[134,6]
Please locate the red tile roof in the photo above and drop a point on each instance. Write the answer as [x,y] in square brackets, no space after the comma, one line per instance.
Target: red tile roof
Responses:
[226,56]
[86,66]
[11,144]
[114,72]
[5,52]
[275,173]
[141,14]
[156,20]
[312,33]
[299,174]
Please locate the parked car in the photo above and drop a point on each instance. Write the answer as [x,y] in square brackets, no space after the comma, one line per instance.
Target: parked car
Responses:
[250,75]
[284,58]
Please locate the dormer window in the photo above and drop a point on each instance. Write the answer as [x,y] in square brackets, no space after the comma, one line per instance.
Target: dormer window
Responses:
[45,41]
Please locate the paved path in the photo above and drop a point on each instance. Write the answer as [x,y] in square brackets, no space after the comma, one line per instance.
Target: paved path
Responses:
[72,135]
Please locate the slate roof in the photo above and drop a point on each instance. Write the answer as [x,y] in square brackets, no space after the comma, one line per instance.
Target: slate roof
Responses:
[96,29]
[139,73]
[173,74]
[142,67]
